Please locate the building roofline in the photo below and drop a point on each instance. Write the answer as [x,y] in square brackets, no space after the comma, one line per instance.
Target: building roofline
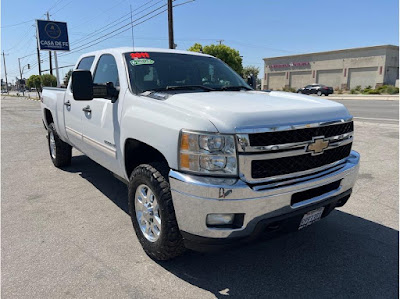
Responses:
[336,51]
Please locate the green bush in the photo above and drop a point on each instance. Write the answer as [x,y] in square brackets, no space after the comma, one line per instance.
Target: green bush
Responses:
[392,90]
[353,91]
[373,91]
[288,89]
[358,88]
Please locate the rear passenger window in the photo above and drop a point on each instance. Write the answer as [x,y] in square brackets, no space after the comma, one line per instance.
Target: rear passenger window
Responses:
[106,70]
[86,63]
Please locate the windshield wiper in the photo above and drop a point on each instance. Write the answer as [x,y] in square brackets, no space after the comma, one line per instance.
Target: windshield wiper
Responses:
[234,88]
[183,87]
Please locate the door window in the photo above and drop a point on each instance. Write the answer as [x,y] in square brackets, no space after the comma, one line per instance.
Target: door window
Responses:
[86,63]
[106,70]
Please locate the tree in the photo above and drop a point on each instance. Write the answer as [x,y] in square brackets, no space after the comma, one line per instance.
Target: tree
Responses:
[250,70]
[35,81]
[67,76]
[49,80]
[228,55]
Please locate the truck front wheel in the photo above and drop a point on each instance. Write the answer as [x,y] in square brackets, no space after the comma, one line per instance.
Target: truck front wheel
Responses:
[60,152]
[152,212]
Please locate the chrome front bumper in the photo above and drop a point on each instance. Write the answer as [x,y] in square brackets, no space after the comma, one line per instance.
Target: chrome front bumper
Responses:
[195,197]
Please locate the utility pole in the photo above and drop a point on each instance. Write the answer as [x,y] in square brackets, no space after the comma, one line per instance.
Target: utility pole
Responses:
[51,64]
[5,70]
[20,74]
[220,41]
[170,26]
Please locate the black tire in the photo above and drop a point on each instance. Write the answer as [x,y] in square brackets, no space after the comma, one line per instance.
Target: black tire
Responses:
[63,151]
[170,242]
[319,93]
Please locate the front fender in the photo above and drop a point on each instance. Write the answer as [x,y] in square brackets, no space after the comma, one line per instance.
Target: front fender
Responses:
[158,124]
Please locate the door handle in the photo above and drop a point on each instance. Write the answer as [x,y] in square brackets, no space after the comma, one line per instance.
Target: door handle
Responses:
[87,109]
[67,103]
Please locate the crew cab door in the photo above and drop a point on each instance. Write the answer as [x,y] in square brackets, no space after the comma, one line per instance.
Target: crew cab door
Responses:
[100,120]
[73,109]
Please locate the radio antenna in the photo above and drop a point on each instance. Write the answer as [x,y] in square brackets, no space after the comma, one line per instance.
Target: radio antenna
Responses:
[133,40]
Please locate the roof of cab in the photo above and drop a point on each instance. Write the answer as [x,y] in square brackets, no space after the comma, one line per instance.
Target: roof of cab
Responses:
[141,49]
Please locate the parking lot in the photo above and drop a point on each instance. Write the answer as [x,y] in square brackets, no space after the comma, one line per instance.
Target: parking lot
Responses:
[66,233]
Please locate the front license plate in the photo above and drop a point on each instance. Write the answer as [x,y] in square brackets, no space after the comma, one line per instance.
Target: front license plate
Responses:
[311,217]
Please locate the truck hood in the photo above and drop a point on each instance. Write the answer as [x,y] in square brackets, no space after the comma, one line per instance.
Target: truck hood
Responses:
[232,111]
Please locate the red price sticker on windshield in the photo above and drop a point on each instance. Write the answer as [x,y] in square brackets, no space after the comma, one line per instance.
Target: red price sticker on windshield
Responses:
[139,55]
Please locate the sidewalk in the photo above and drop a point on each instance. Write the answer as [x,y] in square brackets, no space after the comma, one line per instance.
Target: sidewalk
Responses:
[381,97]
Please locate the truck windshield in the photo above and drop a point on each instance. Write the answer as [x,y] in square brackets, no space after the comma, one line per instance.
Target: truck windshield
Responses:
[154,71]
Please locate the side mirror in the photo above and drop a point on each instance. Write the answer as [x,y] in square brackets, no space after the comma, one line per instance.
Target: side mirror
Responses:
[82,85]
[106,91]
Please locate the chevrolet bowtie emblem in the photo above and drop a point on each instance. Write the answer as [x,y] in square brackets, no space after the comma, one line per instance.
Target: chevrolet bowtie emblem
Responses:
[318,146]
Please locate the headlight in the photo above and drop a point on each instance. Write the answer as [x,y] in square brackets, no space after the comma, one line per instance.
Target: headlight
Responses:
[207,153]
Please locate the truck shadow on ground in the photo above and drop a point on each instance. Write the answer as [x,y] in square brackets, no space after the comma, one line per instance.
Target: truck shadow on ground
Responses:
[341,256]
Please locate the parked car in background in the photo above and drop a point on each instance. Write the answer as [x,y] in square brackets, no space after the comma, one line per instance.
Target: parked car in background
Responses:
[317,89]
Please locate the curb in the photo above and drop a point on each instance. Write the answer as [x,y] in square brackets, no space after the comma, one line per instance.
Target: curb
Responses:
[364,97]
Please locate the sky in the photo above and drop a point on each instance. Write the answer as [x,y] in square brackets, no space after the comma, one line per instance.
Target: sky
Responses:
[257,28]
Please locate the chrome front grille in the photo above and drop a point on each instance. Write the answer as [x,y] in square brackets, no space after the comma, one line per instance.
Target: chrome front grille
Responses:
[292,164]
[295,152]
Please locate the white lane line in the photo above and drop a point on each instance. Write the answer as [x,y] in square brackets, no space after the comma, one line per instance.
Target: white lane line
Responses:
[370,118]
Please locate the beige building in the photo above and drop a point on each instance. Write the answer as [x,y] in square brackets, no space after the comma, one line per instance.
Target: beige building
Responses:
[341,69]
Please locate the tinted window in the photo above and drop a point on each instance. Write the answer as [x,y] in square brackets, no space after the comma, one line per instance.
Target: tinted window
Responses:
[106,70]
[86,63]
[155,71]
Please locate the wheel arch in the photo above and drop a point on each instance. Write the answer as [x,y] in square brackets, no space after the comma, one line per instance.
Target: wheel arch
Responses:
[48,117]
[137,152]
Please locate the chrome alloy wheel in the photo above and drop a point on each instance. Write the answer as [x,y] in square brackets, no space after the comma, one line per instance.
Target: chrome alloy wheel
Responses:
[147,213]
[52,142]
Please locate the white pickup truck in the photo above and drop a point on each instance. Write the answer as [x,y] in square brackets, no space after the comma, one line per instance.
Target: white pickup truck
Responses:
[208,160]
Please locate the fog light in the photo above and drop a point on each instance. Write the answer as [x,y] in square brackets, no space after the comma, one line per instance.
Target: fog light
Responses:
[219,219]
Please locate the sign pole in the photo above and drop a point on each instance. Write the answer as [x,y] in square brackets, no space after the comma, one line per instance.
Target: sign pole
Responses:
[57,72]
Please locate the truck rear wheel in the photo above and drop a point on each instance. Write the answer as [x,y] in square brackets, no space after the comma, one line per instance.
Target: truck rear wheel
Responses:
[152,212]
[60,152]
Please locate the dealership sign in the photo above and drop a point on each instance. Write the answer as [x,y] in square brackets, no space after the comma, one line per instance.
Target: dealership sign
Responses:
[52,36]
[275,66]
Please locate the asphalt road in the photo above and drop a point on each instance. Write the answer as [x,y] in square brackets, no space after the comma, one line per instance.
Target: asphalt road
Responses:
[66,233]
[373,111]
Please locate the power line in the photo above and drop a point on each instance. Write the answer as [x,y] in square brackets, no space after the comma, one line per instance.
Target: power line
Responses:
[23,37]
[62,8]
[54,5]
[128,24]
[13,25]
[96,32]
[79,50]
[108,36]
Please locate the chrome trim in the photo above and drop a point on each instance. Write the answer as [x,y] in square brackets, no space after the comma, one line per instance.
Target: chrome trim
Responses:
[194,198]
[73,133]
[301,179]
[317,198]
[258,129]
[245,171]
[246,148]
[99,146]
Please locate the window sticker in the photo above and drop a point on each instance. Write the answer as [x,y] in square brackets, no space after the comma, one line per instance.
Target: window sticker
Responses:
[141,61]
[139,55]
